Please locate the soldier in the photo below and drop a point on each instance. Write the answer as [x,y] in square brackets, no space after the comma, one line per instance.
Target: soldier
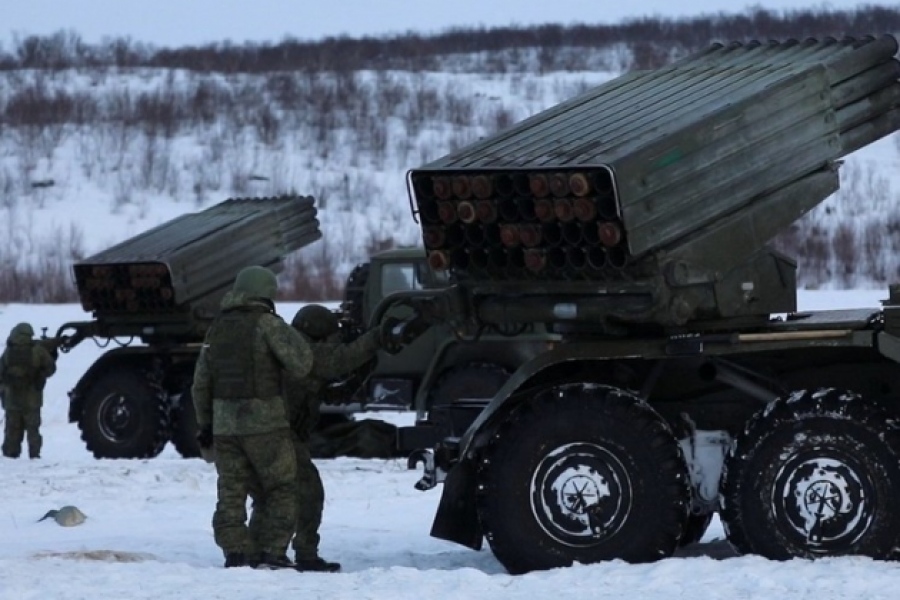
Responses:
[332,359]
[241,415]
[24,368]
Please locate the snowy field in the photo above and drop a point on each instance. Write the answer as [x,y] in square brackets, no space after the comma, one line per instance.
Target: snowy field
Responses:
[148,532]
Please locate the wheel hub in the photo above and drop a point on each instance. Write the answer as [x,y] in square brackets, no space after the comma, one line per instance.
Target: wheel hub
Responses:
[825,501]
[115,418]
[580,494]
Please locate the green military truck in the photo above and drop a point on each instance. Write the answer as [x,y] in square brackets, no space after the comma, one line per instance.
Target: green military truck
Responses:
[153,296]
[634,221]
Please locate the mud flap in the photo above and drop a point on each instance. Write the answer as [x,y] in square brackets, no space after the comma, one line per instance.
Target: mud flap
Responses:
[456,519]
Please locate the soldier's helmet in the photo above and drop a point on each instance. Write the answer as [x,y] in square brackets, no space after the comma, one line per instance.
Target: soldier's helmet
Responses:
[23,330]
[316,321]
[256,282]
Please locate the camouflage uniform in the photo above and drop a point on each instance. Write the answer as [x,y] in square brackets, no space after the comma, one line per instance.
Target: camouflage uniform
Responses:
[237,397]
[332,359]
[24,368]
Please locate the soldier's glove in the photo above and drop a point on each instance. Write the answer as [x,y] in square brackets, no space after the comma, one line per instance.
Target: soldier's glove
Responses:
[395,334]
[413,328]
[391,332]
[205,437]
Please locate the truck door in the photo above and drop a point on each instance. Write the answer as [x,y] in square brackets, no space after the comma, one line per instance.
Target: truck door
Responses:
[397,376]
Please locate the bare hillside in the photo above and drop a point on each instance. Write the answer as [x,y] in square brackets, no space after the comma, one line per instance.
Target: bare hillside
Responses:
[101,142]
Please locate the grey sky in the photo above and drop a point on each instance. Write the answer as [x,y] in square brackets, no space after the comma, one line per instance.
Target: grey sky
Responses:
[184,22]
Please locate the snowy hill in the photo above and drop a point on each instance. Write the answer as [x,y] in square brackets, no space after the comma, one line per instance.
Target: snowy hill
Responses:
[347,140]
[91,155]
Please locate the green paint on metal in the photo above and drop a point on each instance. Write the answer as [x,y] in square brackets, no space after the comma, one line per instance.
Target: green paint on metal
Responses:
[669,158]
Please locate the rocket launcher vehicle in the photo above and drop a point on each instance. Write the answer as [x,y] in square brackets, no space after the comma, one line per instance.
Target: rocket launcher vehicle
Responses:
[651,198]
[169,280]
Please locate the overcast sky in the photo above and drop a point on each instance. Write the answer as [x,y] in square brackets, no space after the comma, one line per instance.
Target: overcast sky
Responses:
[186,22]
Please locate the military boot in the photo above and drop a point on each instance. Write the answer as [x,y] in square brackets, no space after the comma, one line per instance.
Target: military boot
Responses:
[317,564]
[236,559]
[271,562]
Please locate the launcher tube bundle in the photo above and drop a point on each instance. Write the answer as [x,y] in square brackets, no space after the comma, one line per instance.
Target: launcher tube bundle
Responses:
[673,179]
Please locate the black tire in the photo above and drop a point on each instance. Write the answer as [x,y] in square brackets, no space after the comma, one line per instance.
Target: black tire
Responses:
[815,474]
[582,474]
[184,427]
[463,382]
[330,419]
[125,416]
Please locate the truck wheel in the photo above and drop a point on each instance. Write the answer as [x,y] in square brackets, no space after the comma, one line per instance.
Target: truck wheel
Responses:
[582,474]
[815,474]
[125,416]
[184,427]
[468,381]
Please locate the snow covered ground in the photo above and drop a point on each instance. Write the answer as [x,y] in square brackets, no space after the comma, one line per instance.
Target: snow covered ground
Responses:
[148,532]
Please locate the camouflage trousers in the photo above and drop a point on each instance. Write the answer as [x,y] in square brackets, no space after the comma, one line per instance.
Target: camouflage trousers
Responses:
[18,424]
[268,462]
[310,500]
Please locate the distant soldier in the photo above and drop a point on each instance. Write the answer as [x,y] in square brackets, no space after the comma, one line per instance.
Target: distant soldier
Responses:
[24,368]
[304,396]
[241,415]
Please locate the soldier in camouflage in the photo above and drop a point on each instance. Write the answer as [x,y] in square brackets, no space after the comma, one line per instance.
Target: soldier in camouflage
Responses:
[24,368]
[332,359]
[241,414]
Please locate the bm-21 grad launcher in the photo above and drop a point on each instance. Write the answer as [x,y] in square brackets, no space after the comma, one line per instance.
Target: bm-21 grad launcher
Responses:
[649,199]
[163,288]
[167,282]
[633,220]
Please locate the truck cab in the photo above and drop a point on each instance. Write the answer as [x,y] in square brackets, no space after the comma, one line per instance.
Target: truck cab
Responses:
[395,380]
[445,379]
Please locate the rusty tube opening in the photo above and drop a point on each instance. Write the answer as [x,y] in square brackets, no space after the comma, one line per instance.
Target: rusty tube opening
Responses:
[585,209]
[579,184]
[538,185]
[447,212]
[485,211]
[559,185]
[564,210]
[443,190]
[482,187]
[466,211]
[462,187]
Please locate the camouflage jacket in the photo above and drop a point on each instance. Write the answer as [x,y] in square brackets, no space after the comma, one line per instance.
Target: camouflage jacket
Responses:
[280,349]
[22,391]
[331,360]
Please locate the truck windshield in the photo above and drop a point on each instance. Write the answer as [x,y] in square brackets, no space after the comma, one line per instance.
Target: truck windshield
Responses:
[399,277]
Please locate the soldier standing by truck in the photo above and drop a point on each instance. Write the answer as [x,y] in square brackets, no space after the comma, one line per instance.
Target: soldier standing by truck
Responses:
[24,368]
[303,395]
[241,413]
